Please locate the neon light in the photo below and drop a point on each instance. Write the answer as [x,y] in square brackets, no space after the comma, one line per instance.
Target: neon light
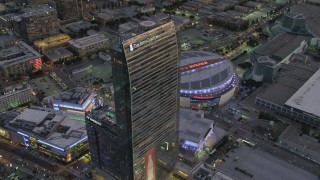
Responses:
[201,64]
[210,89]
[203,97]
[50,145]
[22,134]
[86,137]
[77,119]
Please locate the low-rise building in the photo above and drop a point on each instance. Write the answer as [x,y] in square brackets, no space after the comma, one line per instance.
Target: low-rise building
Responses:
[15,96]
[59,40]
[6,20]
[79,100]
[58,54]
[90,44]
[53,133]
[7,41]
[19,59]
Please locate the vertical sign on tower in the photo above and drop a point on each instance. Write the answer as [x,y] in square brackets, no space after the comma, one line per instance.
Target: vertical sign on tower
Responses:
[150,162]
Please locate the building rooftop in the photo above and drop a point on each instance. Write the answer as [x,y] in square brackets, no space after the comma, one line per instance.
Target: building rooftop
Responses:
[53,40]
[307,98]
[200,70]
[37,10]
[32,116]
[7,17]
[261,165]
[76,96]
[57,53]
[105,114]
[16,54]
[311,12]
[76,26]
[61,129]
[193,126]
[281,46]
[206,172]
[288,83]
[88,40]
[142,25]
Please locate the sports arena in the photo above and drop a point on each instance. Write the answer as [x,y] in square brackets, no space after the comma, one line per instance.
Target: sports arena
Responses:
[207,80]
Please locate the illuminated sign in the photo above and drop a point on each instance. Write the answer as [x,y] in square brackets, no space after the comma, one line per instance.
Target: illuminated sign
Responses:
[203,97]
[77,119]
[200,64]
[36,63]
[94,121]
[141,43]
[150,163]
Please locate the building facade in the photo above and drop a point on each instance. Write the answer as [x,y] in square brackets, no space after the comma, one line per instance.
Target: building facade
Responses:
[36,23]
[15,96]
[89,44]
[19,59]
[146,89]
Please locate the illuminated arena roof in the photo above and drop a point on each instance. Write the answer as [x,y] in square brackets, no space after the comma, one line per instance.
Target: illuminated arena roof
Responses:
[205,73]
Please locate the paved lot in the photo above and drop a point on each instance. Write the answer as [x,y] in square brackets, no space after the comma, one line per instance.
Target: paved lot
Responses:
[279,152]
[46,84]
[99,70]
[261,165]
[190,38]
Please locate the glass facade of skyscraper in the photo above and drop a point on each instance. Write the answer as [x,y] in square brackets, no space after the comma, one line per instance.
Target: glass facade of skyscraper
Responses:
[146,89]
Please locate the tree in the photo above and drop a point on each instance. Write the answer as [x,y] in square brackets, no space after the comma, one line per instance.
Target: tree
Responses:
[104,5]
[191,17]
[305,129]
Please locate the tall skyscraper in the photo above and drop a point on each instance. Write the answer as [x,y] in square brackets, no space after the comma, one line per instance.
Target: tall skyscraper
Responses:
[146,91]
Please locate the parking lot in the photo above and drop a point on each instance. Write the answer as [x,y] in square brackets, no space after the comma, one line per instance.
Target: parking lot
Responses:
[99,70]
[190,39]
[45,84]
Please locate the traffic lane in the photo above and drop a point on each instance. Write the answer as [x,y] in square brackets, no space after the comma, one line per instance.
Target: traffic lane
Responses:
[28,156]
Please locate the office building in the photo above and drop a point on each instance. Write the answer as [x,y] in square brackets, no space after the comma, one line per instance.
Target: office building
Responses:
[90,44]
[54,133]
[36,23]
[207,80]
[59,40]
[146,90]
[19,59]
[68,10]
[14,96]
